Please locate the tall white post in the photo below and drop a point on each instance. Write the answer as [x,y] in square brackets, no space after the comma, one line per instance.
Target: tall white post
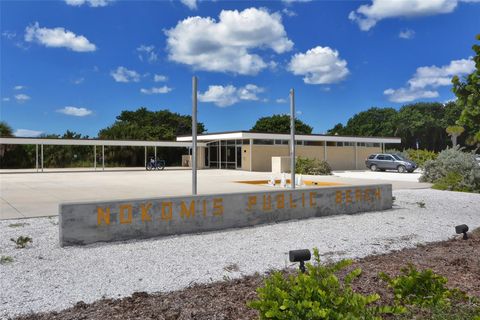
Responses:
[194,135]
[292,138]
[41,155]
[95,157]
[36,157]
[103,157]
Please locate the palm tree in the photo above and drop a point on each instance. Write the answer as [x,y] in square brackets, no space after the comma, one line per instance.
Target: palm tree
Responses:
[454,132]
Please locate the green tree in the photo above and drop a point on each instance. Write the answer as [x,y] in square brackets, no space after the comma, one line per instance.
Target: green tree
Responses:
[454,132]
[468,96]
[143,124]
[422,122]
[372,122]
[5,130]
[336,130]
[280,123]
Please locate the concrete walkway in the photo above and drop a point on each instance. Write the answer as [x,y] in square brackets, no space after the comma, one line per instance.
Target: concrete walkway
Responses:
[26,195]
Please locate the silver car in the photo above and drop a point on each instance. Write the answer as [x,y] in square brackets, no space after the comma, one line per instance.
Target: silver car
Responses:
[389,161]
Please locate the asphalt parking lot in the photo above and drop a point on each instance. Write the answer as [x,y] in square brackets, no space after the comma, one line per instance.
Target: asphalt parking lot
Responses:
[26,194]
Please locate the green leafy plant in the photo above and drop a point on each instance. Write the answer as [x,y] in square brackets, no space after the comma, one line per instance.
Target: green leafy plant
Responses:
[18,225]
[312,166]
[22,241]
[420,156]
[453,170]
[6,259]
[317,294]
[421,288]
[421,204]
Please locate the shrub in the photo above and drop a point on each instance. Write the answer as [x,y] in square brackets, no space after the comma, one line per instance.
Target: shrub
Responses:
[317,294]
[312,166]
[420,156]
[6,259]
[22,241]
[420,288]
[454,170]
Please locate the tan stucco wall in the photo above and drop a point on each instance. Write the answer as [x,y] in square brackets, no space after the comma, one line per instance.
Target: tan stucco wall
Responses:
[363,153]
[262,156]
[339,158]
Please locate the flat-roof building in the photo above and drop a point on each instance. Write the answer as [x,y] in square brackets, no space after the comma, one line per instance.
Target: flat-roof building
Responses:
[253,151]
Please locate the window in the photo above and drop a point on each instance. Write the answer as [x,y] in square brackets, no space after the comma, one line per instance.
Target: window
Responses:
[349,144]
[376,145]
[331,144]
[281,141]
[372,156]
[262,141]
[314,143]
[389,158]
[299,142]
[361,144]
[380,157]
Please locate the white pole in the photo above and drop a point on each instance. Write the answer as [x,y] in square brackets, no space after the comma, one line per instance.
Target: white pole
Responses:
[194,135]
[41,151]
[95,157]
[145,157]
[36,157]
[103,157]
[292,138]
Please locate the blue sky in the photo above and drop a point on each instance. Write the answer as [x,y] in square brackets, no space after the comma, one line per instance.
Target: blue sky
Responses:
[76,64]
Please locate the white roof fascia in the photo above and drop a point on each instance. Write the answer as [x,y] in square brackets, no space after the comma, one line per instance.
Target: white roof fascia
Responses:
[93,142]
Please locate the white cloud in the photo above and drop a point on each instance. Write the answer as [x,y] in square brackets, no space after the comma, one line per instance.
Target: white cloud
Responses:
[288,12]
[408,94]
[18,87]
[6,99]
[27,133]
[58,38]
[122,74]
[191,4]
[147,53]
[320,65]
[21,98]
[225,46]
[367,15]
[281,100]
[156,90]
[79,80]
[91,3]
[9,34]
[159,78]
[406,34]
[74,111]
[224,96]
[426,79]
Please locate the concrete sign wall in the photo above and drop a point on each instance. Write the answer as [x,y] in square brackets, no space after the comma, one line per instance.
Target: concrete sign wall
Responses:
[85,223]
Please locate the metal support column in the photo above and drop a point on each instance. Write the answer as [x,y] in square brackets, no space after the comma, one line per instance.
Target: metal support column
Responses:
[103,157]
[356,156]
[155,153]
[95,158]
[41,156]
[36,157]
[325,151]
[219,154]
[194,135]
[145,156]
[292,138]
[251,154]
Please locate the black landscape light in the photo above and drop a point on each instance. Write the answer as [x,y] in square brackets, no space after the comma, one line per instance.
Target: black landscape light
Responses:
[463,228]
[300,256]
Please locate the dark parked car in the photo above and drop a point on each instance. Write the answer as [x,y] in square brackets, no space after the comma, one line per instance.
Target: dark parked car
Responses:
[388,161]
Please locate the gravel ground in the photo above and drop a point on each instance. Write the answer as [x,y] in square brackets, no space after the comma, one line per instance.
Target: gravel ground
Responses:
[46,277]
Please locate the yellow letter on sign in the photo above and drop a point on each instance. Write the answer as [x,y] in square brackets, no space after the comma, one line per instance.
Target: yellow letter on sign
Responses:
[217,206]
[190,212]
[102,215]
[128,219]
[167,215]
[145,215]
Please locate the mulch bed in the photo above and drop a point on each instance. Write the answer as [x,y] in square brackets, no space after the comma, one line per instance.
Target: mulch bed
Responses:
[456,259]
